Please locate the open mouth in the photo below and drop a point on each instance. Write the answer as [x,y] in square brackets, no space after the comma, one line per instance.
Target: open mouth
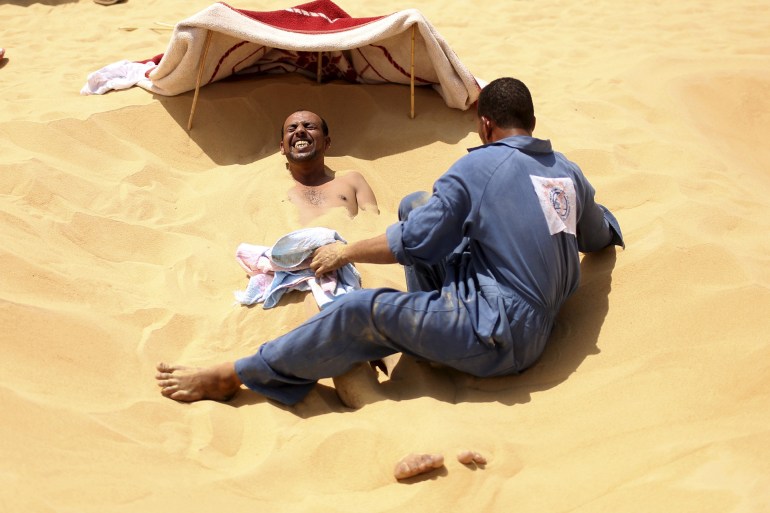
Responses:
[301,145]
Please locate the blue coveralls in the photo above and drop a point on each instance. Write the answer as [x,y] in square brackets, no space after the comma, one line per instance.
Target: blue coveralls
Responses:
[490,258]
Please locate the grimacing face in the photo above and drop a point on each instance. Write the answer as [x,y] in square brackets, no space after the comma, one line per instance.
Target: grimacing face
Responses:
[303,137]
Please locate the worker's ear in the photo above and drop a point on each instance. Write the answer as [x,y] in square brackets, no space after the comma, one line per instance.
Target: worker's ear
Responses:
[328,141]
[283,151]
[487,127]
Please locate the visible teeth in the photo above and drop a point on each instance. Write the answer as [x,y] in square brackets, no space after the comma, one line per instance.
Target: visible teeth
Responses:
[301,144]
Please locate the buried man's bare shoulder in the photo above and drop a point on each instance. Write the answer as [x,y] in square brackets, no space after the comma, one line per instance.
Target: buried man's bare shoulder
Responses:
[353,183]
[349,190]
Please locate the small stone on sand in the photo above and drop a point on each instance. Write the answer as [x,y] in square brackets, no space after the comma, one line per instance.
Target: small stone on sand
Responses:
[416,464]
[468,457]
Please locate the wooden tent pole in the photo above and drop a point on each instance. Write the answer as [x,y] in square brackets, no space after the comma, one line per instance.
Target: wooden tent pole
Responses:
[318,73]
[198,80]
[411,78]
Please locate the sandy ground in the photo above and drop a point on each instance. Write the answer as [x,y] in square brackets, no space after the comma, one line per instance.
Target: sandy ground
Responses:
[119,230]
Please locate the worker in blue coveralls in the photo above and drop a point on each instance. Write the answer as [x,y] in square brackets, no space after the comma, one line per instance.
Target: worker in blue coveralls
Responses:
[490,257]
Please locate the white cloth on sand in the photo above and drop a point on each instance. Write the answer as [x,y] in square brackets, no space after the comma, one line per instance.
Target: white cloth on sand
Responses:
[285,266]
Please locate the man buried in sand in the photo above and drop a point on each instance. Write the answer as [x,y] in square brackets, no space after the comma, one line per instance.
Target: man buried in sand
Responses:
[304,141]
[490,258]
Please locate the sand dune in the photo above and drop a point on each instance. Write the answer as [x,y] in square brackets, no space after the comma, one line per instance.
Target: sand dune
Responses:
[119,230]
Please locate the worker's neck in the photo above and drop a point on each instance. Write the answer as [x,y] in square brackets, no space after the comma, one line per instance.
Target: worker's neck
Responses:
[503,133]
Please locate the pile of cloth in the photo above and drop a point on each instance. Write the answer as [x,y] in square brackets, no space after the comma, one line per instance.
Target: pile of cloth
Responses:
[285,266]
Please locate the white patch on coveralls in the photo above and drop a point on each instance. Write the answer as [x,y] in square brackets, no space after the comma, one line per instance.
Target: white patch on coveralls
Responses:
[558,201]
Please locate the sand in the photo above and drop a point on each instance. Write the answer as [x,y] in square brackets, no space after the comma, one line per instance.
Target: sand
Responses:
[119,230]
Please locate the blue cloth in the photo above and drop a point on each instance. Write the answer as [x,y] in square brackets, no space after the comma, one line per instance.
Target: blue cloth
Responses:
[490,257]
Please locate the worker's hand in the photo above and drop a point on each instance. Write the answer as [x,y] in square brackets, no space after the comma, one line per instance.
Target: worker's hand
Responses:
[329,258]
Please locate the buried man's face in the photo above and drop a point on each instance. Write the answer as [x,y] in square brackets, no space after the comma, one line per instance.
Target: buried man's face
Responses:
[303,137]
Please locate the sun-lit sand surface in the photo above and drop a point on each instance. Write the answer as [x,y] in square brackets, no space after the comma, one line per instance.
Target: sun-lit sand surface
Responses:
[119,230]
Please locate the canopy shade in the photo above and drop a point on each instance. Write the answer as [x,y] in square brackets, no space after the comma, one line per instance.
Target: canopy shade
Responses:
[318,39]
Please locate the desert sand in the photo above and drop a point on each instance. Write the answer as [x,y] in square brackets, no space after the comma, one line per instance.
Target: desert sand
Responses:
[119,230]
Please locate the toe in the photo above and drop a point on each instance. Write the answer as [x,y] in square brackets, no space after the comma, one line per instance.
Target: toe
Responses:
[168,391]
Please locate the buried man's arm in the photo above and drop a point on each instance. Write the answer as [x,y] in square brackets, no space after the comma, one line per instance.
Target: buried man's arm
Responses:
[364,193]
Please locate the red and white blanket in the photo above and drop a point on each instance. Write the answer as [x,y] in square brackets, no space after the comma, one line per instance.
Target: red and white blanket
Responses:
[362,50]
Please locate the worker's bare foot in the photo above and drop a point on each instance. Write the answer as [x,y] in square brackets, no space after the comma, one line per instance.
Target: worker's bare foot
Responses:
[471,457]
[416,464]
[358,386]
[188,384]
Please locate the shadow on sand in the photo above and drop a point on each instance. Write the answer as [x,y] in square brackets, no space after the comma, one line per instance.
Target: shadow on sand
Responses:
[258,105]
